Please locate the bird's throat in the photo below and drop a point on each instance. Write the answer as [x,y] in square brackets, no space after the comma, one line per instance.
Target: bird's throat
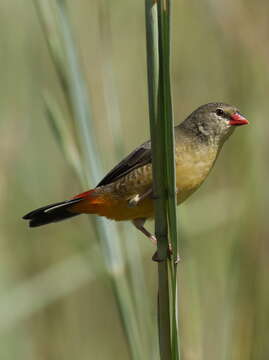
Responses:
[193,164]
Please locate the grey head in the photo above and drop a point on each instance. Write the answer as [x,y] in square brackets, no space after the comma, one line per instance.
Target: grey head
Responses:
[213,123]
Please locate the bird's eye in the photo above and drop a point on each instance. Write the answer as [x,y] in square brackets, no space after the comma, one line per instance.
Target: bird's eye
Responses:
[220,112]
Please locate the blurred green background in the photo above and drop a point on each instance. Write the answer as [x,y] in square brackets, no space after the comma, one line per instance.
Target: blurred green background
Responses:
[54,304]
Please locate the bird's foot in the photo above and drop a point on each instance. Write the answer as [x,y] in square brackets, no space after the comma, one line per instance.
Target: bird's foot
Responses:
[156,257]
[177,260]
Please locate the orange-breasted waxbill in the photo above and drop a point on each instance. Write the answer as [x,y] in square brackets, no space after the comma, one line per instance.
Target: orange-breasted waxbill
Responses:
[125,193]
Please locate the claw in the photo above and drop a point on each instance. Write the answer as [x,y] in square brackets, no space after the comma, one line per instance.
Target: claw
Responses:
[156,258]
[177,260]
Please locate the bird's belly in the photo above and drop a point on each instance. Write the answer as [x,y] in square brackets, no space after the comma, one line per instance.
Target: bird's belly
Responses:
[191,171]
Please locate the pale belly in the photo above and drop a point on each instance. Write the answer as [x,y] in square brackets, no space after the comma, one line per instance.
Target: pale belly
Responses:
[192,168]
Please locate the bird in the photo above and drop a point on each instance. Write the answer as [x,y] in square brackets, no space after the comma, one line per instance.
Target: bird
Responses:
[126,192]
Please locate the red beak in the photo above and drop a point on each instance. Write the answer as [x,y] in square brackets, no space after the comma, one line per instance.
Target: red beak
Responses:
[237,119]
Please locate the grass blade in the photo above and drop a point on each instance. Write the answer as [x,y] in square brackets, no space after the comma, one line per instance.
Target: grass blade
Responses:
[161,126]
[63,134]
[76,95]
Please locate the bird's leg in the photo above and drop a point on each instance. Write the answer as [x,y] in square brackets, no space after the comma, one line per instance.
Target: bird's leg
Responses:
[139,224]
[135,200]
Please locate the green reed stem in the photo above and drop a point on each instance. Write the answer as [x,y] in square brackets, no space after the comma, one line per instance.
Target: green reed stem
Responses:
[162,136]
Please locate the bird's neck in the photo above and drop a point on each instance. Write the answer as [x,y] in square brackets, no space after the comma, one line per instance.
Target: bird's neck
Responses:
[198,135]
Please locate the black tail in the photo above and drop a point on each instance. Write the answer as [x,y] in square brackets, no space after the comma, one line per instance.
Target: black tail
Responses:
[51,213]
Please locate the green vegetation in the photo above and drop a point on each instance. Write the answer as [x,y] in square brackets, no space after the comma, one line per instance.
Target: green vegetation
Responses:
[162,135]
[57,298]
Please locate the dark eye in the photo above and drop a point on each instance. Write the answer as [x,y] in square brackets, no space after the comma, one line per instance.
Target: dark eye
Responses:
[220,112]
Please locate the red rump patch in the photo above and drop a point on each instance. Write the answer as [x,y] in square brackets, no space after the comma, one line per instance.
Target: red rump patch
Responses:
[84,194]
[91,197]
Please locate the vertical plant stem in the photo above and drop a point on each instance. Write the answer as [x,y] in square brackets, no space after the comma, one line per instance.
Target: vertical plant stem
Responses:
[109,239]
[167,115]
[164,185]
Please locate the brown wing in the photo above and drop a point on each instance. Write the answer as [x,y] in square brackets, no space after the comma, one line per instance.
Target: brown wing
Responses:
[139,157]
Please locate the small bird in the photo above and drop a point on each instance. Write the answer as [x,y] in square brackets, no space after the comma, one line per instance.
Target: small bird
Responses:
[126,193]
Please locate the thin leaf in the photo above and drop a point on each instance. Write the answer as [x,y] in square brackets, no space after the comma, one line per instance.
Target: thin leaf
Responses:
[78,104]
[164,184]
[63,134]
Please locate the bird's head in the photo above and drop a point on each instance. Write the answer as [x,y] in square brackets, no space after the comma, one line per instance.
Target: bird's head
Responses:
[214,122]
